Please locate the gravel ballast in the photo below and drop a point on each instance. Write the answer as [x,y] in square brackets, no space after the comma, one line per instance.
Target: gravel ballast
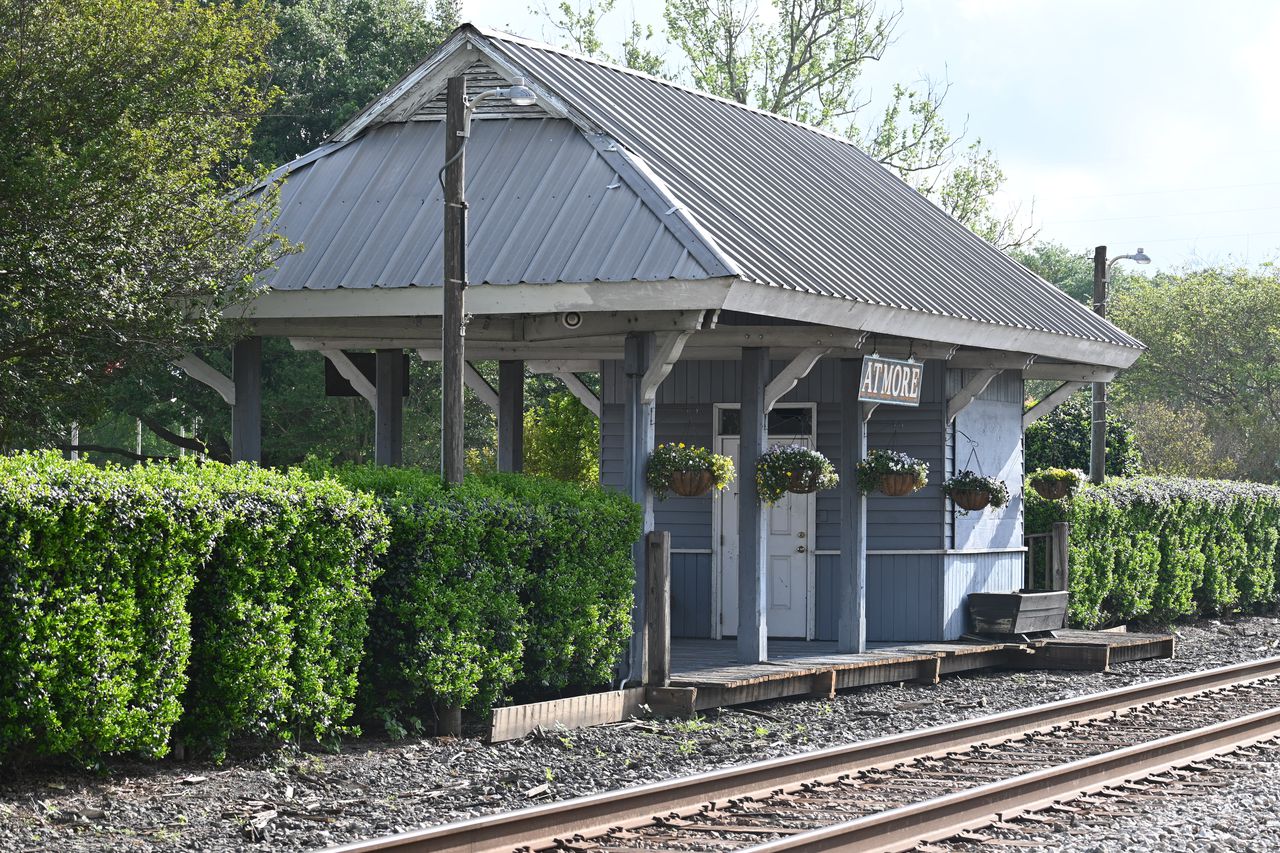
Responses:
[294,800]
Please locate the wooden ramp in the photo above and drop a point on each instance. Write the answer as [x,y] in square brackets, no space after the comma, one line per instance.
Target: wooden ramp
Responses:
[799,668]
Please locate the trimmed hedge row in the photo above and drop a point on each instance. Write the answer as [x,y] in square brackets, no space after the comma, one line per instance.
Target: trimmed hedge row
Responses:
[1164,548]
[504,586]
[129,595]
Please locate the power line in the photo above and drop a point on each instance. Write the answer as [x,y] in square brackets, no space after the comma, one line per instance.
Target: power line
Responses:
[1162,215]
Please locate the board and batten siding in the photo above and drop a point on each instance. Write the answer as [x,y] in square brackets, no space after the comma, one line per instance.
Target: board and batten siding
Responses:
[910,597]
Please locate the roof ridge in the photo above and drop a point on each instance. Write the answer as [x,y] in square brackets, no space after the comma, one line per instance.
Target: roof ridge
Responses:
[502,35]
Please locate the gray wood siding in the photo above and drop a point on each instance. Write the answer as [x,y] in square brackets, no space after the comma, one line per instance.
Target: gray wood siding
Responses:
[688,519]
[904,598]
[691,595]
[825,603]
[966,573]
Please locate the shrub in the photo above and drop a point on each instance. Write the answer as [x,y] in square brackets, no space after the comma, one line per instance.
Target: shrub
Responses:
[562,440]
[503,585]
[1164,548]
[95,566]
[1061,439]
[280,611]
[580,582]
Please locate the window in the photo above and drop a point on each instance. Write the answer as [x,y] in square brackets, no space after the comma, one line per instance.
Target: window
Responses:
[783,421]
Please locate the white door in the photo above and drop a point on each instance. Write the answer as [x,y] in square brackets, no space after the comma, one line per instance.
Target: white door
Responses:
[789,544]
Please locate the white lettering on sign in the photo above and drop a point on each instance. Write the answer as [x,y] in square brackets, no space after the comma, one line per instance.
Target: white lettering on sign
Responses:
[889,380]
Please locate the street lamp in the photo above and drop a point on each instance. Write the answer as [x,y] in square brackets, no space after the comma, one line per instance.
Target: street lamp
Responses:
[1098,435]
[457,128]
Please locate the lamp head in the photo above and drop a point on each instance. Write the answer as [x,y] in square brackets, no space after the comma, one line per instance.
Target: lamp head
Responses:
[522,96]
[1141,257]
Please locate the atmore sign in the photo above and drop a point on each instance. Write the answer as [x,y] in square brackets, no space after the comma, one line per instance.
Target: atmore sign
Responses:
[889,380]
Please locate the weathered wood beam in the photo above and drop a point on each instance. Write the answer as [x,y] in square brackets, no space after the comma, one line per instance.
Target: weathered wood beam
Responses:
[667,353]
[795,370]
[511,416]
[851,578]
[574,324]
[480,387]
[579,389]
[246,414]
[970,392]
[753,552]
[388,422]
[201,371]
[979,360]
[1070,372]
[578,365]
[1051,401]
[359,382]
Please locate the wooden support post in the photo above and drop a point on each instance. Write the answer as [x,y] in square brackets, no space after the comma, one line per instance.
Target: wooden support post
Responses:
[851,579]
[753,557]
[1061,545]
[453,355]
[511,416]
[658,606]
[637,441]
[388,420]
[246,414]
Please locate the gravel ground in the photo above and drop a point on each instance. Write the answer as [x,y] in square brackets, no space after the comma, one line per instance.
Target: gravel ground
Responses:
[291,800]
[1243,814]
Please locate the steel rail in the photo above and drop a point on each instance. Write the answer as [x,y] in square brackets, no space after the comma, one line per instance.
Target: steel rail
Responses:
[931,820]
[541,825]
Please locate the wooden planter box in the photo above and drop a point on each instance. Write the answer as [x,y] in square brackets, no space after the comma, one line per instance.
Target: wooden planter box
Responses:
[1017,612]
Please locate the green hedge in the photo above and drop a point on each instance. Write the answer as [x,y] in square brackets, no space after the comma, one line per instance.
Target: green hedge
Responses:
[1164,548]
[95,569]
[279,612]
[129,595]
[504,586]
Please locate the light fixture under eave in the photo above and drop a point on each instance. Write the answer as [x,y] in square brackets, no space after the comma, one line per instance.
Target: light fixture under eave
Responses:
[522,96]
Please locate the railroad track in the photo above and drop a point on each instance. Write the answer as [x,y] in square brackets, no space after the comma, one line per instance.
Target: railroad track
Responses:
[896,792]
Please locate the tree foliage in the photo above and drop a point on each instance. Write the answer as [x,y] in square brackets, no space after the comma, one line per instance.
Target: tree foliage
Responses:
[334,56]
[562,440]
[119,243]
[1061,439]
[1213,343]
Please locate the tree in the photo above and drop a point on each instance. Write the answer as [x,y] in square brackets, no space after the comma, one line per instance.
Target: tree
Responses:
[1071,271]
[1213,342]
[119,241]
[562,440]
[334,56]
[1061,440]
[1176,442]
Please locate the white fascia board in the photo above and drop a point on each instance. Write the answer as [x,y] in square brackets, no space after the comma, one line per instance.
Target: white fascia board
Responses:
[833,311]
[671,294]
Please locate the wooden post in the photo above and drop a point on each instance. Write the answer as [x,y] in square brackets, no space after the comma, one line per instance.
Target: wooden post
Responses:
[637,441]
[1098,434]
[511,416]
[658,606]
[453,354]
[388,422]
[246,415]
[1061,552]
[851,579]
[753,556]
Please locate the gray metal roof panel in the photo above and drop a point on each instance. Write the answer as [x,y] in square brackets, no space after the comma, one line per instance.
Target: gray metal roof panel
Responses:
[800,208]
[545,206]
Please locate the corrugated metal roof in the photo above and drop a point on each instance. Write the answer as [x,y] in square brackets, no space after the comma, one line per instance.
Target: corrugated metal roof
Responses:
[545,206]
[802,209]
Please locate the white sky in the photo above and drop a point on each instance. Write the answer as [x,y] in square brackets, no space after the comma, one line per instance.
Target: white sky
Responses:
[1152,123]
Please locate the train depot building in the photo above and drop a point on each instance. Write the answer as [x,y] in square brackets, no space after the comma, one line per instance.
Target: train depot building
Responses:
[726,272]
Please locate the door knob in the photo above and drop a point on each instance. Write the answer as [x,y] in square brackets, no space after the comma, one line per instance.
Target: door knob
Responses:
[799,549]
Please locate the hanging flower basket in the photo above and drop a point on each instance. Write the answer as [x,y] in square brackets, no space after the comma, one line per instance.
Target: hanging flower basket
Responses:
[687,471]
[892,473]
[1054,484]
[787,468]
[691,484]
[972,492]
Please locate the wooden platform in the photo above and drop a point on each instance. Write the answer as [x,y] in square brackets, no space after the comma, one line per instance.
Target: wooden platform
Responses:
[799,668]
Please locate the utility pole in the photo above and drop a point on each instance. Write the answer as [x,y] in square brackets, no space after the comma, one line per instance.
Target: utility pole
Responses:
[455,274]
[1098,438]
